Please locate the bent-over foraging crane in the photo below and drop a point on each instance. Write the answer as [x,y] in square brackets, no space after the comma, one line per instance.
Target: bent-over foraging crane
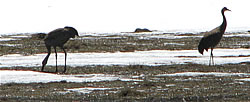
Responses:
[57,38]
[213,37]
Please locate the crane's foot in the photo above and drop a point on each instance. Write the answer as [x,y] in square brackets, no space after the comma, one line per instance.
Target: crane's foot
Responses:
[64,71]
[56,69]
[42,68]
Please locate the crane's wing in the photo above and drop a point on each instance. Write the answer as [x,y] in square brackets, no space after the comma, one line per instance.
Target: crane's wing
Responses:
[57,37]
[214,31]
[55,33]
[210,39]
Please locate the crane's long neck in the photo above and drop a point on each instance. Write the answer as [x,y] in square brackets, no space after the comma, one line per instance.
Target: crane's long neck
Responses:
[224,23]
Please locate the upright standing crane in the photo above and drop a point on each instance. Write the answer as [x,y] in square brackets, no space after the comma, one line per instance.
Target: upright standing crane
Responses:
[213,37]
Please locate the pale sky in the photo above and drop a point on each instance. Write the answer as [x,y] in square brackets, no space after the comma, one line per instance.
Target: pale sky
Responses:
[20,16]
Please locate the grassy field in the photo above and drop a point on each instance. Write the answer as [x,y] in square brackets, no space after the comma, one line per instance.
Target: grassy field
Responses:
[154,84]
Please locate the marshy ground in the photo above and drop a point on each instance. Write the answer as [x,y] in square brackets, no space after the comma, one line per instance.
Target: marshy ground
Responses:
[177,82]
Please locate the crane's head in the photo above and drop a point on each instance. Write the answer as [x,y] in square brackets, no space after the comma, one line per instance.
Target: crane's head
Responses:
[225,9]
[72,31]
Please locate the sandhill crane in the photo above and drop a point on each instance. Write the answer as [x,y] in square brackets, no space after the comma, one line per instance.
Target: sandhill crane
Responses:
[57,38]
[213,37]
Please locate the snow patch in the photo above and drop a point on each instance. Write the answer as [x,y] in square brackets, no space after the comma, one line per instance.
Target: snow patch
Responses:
[15,76]
[204,74]
[11,76]
[87,90]
[153,57]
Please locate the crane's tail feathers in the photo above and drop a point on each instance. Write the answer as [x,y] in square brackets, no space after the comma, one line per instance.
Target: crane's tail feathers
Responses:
[201,50]
[202,46]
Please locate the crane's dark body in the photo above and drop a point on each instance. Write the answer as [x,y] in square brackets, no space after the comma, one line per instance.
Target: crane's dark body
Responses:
[212,38]
[57,38]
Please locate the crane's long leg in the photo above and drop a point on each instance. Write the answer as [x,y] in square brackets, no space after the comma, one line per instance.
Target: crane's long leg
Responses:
[56,57]
[211,58]
[65,59]
[45,60]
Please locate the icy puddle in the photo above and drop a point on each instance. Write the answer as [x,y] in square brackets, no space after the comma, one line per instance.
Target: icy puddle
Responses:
[154,57]
[12,76]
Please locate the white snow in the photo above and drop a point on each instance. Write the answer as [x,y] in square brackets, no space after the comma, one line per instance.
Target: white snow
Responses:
[204,74]
[154,57]
[7,39]
[86,90]
[128,79]
[244,79]
[237,35]
[12,76]
[19,36]
[11,45]
[15,76]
